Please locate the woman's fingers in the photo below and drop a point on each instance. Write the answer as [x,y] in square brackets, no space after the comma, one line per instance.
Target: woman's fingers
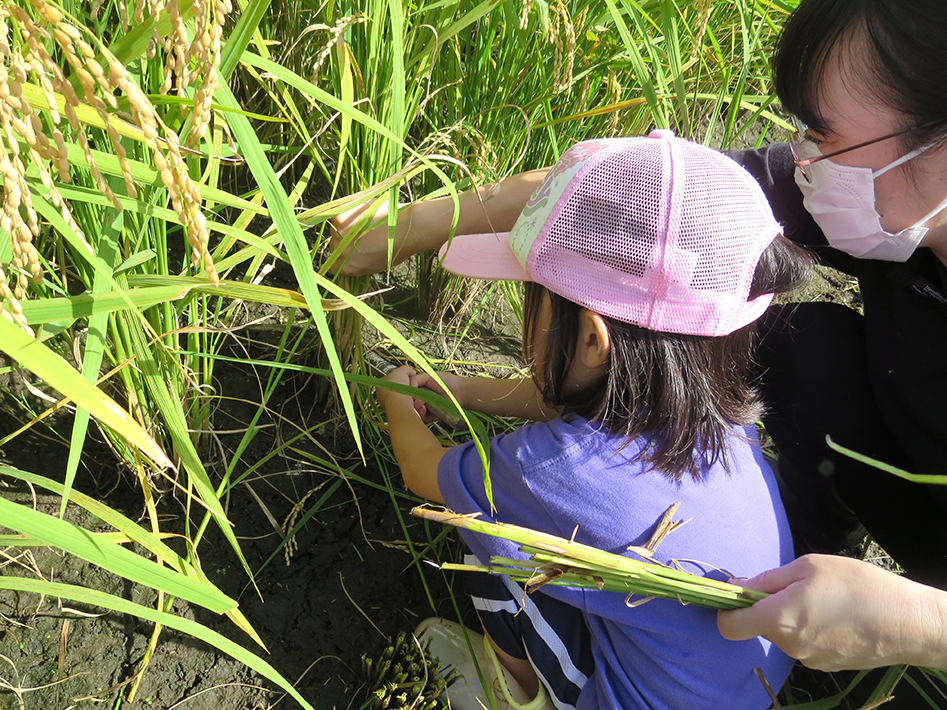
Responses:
[775,580]
[767,617]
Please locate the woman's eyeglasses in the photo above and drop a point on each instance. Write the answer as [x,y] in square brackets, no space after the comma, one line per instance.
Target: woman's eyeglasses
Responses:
[795,146]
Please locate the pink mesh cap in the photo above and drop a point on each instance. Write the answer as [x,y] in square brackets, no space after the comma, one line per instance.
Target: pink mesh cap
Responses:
[657,231]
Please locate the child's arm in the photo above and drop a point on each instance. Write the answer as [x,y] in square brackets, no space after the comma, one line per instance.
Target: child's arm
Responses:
[425,224]
[489,395]
[417,450]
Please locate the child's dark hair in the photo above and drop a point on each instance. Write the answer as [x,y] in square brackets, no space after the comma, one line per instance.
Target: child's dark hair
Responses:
[685,392]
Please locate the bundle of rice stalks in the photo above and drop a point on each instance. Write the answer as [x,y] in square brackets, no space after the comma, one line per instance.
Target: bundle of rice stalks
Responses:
[406,676]
[555,560]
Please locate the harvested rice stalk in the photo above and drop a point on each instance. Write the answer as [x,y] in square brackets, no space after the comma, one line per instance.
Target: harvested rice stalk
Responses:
[555,560]
[406,676]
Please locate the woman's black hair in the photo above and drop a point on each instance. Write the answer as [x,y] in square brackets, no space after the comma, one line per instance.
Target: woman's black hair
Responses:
[684,392]
[904,40]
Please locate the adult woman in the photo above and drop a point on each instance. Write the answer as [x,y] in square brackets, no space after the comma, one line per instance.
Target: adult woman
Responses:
[859,73]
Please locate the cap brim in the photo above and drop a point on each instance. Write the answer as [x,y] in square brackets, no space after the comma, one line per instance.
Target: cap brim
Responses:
[482,256]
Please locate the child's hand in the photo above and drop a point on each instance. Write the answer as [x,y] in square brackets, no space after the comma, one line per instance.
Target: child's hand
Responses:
[399,376]
[454,383]
[426,224]
[416,448]
[369,253]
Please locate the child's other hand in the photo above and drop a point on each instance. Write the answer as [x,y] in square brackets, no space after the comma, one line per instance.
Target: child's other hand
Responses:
[416,448]
[369,253]
[423,380]
[399,376]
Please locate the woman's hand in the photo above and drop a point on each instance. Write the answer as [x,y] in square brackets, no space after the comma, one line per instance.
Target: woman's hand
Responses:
[836,613]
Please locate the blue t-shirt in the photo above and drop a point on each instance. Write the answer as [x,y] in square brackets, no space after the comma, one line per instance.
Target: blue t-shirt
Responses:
[555,476]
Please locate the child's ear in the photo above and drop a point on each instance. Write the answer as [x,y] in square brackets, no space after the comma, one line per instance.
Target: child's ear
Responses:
[594,343]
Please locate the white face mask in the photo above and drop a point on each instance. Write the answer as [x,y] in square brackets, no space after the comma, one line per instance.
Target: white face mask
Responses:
[841,200]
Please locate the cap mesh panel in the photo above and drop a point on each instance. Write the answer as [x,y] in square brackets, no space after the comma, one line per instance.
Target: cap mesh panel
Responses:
[668,248]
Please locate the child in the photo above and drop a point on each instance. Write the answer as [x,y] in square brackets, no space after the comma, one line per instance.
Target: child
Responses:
[647,260]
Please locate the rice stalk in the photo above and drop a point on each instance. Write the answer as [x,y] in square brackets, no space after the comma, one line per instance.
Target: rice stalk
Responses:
[560,562]
[935,479]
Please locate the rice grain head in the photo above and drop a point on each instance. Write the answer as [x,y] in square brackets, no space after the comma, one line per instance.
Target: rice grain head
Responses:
[39,139]
[564,38]
[524,14]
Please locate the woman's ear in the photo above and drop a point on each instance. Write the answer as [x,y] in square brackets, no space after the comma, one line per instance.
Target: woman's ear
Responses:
[594,344]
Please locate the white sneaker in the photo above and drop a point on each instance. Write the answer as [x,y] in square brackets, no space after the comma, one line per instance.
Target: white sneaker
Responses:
[467,692]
